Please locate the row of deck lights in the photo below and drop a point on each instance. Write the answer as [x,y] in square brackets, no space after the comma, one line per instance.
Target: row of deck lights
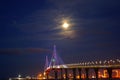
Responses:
[106,62]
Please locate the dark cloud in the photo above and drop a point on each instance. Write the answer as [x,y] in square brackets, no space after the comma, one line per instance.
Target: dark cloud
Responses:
[12,51]
[38,50]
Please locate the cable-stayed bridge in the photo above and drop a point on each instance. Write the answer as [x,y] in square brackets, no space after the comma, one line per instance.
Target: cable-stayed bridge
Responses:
[85,70]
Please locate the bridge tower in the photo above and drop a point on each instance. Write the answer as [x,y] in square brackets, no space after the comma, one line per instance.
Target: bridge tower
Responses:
[55,60]
[54,64]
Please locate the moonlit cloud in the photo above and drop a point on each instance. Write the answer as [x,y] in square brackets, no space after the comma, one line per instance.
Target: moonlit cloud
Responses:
[43,26]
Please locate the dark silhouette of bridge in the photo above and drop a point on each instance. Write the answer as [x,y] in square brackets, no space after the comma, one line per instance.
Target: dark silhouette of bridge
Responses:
[111,69]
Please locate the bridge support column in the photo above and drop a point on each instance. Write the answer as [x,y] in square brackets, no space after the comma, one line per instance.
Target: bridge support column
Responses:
[47,76]
[96,73]
[79,70]
[56,74]
[74,73]
[87,75]
[109,73]
[61,73]
[66,74]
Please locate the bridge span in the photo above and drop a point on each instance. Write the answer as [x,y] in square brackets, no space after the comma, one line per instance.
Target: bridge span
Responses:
[63,71]
[107,69]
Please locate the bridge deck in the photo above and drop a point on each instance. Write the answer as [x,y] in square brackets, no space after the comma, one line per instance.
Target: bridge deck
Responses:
[85,66]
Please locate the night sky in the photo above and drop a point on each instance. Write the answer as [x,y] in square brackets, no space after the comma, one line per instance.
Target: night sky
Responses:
[30,28]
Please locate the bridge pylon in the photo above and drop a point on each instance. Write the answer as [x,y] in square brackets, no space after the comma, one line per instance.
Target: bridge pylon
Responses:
[55,59]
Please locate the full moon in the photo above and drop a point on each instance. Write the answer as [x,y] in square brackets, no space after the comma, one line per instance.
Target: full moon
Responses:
[65,25]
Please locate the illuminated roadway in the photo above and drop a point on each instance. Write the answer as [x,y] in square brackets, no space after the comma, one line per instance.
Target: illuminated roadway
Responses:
[83,66]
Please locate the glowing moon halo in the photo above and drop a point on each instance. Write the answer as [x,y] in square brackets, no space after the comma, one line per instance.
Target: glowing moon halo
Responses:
[65,25]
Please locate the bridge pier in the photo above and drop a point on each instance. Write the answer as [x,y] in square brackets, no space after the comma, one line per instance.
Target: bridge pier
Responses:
[61,74]
[109,70]
[96,73]
[56,74]
[47,76]
[79,70]
[66,74]
[87,75]
[74,73]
